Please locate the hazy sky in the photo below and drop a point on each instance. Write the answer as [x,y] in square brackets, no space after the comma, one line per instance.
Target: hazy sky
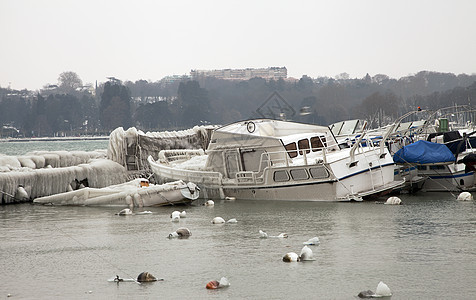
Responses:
[141,39]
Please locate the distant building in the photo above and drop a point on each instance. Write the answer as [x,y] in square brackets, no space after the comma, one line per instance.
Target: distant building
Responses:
[242,74]
[167,80]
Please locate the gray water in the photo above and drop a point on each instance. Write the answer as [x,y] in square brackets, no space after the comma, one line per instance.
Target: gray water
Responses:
[423,249]
[21,148]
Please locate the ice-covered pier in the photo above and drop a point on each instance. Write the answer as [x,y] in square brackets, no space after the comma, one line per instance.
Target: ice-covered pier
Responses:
[44,173]
[23,178]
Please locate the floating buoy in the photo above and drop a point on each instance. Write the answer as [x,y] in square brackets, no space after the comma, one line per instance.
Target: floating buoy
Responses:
[125,212]
[291,257]
[230,198]
[465,196]
[383,290]
[312,241]
[232,221]
[175,216]
[146,277]
[218,220]
[183,214]
[263,234]
[209,203]
[306,254]
[366,294]
[180,233]
[212,285]
[283,235]
[393,201]
[216,284]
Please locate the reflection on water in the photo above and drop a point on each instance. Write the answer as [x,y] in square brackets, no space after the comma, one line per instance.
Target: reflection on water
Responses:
[424,249]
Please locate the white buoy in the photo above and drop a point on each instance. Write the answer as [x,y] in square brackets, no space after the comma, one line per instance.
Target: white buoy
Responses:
[175,216]
[230,198]
[125,212]
[209,203]
[232,221]
[183,214]
[465,196]
[263,234]
[393,201]
[283,235]
[306,253]
[383,290]
[312,241]
[223,282]
[291,257]
[218,220]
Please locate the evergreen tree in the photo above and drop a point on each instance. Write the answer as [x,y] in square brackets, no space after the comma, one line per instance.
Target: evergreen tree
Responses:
[115,107]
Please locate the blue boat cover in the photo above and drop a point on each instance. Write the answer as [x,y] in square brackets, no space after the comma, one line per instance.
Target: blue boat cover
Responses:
[424,152]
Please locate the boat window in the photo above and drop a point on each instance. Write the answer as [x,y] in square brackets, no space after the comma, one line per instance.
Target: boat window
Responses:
[318,173]
[317,143]
[251,160]
[437,167]
[303,145]
[291,149]
[232,164]
[299,174]
[280,176]
[421,168]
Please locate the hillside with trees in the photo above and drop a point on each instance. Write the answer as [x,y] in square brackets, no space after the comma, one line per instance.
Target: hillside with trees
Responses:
[71,108]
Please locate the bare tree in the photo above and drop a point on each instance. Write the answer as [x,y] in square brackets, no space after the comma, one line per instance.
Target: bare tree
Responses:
[69,81]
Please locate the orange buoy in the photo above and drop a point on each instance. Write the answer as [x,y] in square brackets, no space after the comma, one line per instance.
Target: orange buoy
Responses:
[213,285]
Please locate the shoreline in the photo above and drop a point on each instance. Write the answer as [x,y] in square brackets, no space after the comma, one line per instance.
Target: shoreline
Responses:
[53,139]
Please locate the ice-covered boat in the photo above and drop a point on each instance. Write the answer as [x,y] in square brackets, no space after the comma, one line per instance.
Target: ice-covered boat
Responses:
[136,193]
[280,160]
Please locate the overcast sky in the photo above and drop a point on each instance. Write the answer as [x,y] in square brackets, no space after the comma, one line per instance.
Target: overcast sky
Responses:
[140,39]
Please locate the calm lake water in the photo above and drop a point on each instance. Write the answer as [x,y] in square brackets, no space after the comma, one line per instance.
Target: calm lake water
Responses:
[423,249]
[20,148]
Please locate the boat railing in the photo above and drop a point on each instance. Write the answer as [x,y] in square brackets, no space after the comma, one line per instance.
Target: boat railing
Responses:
[281,159]
[211,178]
[167,156]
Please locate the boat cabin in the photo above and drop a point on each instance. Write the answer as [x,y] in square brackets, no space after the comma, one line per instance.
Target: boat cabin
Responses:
[251,146]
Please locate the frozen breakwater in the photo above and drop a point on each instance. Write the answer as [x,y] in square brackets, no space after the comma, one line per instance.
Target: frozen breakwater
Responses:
[44,173]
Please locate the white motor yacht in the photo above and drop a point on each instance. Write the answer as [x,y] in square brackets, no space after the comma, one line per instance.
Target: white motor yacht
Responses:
[280,160]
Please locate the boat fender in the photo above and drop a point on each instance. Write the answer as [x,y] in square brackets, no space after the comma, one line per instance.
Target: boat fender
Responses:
[465,196]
